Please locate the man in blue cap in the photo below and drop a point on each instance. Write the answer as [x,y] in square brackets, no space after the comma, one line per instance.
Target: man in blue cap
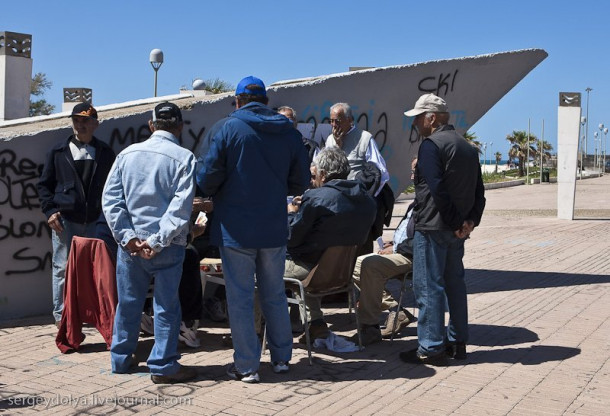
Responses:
[255,160]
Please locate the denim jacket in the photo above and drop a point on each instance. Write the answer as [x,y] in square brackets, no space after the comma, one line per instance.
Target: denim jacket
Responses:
[149,192]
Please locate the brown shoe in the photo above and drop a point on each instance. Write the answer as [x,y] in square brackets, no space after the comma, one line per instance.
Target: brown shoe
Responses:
[182,375]
[404,319]
[316,331]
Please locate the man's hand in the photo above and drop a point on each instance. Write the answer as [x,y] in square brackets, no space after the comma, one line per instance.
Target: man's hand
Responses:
[338,134]
[146,251]
[200,204]
[197,230]
[54,222]
[295,204]
[464,231]
[140,248]
[386,250]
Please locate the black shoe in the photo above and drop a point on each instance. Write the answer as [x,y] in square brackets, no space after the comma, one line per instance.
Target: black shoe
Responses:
[182,375]
[456,351]
[413,357]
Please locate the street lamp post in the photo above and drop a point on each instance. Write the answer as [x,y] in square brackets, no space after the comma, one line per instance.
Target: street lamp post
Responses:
[595,154]
[583,121]
[588,89]
[601,132]
[485,156]
[491,151]
[156,59]
[605,144]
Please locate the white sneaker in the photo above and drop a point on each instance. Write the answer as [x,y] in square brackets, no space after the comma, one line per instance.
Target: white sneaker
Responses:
[188,336]
[280,367]
[246,378]
[147,325]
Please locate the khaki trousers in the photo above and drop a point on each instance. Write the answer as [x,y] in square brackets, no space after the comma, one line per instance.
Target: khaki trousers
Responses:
[370,275]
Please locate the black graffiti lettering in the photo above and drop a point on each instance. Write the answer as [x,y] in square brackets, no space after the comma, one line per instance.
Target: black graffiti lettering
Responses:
[366,121]
[18,195]
[383,131]
[423,88]
[143,132]
[196,137]
[37,263]
[439,86]
[442,83]
[24,167]
[123,140]
[119,141]
[413,135]
[24,230]
[16,177]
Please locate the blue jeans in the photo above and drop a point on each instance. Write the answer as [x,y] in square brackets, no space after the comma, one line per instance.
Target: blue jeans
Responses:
[240,265]
[61,249]
[133,276]
[438,280]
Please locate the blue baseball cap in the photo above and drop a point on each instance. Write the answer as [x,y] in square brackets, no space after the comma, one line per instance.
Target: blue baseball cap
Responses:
[256,87]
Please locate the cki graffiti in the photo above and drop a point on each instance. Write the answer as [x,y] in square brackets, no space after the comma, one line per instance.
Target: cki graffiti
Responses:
[438,85]
[18,194]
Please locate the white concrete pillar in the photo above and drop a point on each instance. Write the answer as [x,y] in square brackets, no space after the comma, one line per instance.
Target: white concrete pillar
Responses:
[568,129]
[15,75]
[74,96]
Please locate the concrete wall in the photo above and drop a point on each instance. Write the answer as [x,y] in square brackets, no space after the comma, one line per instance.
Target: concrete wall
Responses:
[15,80]
[378,97]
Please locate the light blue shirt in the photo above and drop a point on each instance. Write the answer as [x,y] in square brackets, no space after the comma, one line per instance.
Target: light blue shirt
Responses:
[400,234]
[149,192]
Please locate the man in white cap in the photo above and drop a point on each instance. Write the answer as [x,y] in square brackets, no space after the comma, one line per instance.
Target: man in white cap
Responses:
[449,203]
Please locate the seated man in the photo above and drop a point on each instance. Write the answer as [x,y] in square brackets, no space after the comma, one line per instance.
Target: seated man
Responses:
[372,272]
[370,275]
[336,212]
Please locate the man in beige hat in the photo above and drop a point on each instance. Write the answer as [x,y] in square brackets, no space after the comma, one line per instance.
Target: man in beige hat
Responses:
[449,203]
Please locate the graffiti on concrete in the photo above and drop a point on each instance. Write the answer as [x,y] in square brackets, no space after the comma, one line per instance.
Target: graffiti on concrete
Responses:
[18,197]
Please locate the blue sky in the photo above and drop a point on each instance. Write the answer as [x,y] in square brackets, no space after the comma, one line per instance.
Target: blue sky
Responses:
[105,46]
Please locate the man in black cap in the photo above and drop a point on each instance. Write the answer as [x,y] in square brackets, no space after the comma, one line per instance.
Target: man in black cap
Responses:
[147,201]
[70,190]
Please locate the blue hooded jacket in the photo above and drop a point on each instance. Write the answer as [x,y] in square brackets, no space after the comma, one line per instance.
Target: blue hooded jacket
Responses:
[255,160]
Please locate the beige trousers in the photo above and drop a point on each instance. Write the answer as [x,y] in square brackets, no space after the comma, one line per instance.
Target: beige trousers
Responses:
[370,275]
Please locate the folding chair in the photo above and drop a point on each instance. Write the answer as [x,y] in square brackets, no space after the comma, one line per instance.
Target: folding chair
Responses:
[332,274]
[407,282]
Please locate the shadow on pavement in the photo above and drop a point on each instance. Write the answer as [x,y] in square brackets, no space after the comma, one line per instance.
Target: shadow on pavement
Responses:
[484,281]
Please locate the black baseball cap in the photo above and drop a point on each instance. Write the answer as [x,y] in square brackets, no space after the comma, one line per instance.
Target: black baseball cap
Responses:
[167,111]
[84,110]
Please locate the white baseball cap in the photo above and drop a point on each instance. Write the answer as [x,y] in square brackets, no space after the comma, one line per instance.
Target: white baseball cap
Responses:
[428,103]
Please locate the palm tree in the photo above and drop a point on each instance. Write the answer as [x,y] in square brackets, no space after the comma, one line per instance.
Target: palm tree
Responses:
[546,151]
[518,147]
[498,159]
[471,138]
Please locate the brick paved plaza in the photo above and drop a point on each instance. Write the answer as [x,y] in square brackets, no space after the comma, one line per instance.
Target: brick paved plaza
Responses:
[539,304]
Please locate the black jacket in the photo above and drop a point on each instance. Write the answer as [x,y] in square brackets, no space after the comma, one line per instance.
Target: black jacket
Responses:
[448,184]
[339,213]
[61,189]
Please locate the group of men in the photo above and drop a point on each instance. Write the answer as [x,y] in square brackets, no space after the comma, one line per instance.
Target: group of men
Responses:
[251,161]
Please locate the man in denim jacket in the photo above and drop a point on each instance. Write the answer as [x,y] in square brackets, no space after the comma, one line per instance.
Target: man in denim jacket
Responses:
[147,202]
